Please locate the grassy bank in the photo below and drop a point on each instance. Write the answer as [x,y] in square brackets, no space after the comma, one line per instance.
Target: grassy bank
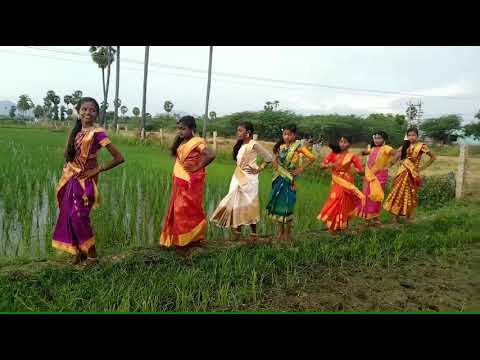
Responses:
[227,277]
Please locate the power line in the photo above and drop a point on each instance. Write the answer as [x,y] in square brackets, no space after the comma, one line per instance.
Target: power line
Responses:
[286,82]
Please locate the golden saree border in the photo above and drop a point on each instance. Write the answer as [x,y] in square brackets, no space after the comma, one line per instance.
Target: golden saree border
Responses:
[197,233]
[73,249]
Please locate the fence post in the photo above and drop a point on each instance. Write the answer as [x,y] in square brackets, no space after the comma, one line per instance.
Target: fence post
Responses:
[161,135]
[215,140]
[118,128]
[460,183]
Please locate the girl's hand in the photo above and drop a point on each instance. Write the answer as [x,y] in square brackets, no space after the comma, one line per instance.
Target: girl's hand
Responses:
[88,174]
[189,167]
[296,172]
[252,171]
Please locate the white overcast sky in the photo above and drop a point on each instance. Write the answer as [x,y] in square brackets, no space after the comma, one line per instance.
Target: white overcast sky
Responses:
[430,71]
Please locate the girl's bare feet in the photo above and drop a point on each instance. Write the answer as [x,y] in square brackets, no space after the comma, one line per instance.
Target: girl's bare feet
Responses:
[91,262]
[80,257]
[182,251]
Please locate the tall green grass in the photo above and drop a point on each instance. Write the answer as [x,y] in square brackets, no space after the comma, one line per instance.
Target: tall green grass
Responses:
[134,195]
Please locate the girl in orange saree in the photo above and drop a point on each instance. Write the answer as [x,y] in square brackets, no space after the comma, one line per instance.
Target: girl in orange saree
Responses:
[77,192]
[403,198]
[185,222]
[376,177]
[344,197]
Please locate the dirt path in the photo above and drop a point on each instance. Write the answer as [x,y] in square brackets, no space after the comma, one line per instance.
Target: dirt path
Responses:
[427,284]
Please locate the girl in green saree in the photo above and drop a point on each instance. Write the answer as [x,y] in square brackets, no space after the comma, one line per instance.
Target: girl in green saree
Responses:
[288,164]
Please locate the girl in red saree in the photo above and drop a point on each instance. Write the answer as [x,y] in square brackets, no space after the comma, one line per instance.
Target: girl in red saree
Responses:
[185,222]
[376,177]
[403,198]
[77,191]
[344,197]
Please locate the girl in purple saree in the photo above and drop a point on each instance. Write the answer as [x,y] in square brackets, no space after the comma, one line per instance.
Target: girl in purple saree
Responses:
[77,191]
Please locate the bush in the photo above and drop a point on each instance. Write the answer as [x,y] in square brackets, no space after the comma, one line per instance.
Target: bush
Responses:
[436,191]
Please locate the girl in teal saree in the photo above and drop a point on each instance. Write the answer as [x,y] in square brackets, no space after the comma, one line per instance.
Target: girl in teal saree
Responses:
[288,164]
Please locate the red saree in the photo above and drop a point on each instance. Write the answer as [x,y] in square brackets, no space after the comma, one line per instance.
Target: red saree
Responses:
[185,221]
[344,197]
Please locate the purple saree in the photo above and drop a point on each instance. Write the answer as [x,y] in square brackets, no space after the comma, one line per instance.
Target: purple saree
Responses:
[73,232]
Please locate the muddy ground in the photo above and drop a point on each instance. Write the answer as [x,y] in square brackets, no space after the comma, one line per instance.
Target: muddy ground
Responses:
[447,284]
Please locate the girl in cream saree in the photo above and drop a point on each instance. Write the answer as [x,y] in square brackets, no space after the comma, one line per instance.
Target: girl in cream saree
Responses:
[241,205]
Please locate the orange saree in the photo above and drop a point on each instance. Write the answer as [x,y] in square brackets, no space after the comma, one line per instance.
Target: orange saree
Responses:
[185,221]
[344,197]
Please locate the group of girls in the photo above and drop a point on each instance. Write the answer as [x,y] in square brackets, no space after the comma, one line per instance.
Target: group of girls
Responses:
[185,221]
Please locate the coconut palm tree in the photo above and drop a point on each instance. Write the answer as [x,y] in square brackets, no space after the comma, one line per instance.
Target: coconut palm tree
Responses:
[168,106]
[213,115]
[103,56]
[276,103]
[24,104]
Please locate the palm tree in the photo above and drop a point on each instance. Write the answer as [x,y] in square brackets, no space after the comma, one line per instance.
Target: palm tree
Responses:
[63,111]
[124,110]
[136,111]
[56,101]
[76,96]
[144,99]
[24,104]
[117,101]
[213,115]
[168,106]
[276,103]
[268,106]
[11,113]
[205,119]
[67,99]
[103,56]
[38,111]
[48,101]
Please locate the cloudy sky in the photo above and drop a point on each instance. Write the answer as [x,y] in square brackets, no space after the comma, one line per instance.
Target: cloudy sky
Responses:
[323,79]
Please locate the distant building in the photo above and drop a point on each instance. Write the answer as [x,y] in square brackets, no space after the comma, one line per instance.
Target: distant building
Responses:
[461,139]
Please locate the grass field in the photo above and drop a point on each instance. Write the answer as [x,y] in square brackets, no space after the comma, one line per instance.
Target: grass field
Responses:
[134,195]
[428,266]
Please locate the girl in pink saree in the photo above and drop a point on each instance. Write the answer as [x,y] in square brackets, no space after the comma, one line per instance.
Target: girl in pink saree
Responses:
[77,191]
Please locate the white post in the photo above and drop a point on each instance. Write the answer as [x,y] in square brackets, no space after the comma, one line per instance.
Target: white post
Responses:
[459,189]
[161,135]
[215,140]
